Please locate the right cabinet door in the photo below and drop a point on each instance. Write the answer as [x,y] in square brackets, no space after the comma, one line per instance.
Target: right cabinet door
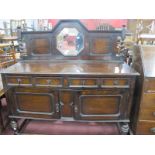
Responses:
[105,104]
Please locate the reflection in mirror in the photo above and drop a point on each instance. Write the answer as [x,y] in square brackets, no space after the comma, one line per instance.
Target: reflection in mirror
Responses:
[70,42]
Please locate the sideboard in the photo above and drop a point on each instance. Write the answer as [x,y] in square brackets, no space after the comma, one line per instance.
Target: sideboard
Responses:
[71,74]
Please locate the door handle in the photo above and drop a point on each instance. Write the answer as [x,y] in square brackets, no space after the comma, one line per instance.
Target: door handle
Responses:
[75,109]
[57,107]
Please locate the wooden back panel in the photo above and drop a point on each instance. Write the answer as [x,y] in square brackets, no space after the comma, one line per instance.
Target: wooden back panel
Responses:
[97,44]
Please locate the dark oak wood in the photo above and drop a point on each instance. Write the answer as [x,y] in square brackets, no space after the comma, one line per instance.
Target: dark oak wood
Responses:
[1,94]
[78,68]
[144,110]
[146,128]
[95,85]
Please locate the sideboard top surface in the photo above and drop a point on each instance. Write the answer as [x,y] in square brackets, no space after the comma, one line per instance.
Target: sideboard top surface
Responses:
[71,68]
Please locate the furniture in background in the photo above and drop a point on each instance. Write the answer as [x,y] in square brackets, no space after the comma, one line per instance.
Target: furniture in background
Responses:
[3,108]
[13,40]
[148,38]
[71,74]
[7,55]
[14,24]
[143,116]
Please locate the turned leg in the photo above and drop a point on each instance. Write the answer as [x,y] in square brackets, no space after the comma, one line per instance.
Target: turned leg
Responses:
[14,126]
[124,128]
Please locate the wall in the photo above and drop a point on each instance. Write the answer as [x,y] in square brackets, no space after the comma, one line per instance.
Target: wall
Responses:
[91,24]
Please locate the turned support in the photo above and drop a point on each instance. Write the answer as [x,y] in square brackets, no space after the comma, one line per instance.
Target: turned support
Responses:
[14,126]
[124,128]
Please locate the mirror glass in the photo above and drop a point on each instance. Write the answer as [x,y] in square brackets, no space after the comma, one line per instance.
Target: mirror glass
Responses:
[70,42]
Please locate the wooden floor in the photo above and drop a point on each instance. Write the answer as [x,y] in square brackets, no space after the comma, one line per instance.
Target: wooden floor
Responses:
[67,128]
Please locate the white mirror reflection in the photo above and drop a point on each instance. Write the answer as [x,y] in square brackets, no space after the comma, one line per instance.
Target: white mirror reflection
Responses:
[70,42]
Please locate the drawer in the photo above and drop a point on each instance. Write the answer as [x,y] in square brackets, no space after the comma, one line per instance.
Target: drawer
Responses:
[147,114]
[49,81]
[114,82]
[148,100]
[146,128]
[19,80]
[147,108]
[149,85]
[82,82]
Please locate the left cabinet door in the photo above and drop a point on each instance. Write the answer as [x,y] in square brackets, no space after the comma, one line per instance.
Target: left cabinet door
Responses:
[34,102]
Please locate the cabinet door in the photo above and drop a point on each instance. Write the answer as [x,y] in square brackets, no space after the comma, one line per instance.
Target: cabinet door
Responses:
[101,104]
[35,103]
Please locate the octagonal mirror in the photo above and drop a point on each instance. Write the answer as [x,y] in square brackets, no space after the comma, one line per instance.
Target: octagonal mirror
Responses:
[70,42]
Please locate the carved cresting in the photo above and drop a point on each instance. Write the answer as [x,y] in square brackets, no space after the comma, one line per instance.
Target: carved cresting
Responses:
[123,51]
[69,39]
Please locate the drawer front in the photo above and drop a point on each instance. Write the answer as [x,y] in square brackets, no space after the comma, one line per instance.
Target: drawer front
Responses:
[149,85]
[114,82]
[147,114]
[147,109]
[48,81]
[18,80]
[145,128]
[148,100]
[82,82]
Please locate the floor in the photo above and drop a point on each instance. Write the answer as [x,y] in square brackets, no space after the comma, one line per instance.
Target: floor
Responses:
[61,128]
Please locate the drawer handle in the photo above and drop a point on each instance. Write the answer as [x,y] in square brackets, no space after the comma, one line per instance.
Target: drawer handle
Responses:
[57,107]
[152,130]
[19,81]
[83,82]
[115,82]
[153,113]
[49,82]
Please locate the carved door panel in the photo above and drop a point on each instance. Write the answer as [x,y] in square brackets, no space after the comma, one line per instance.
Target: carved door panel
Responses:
[101,104]
[35,103]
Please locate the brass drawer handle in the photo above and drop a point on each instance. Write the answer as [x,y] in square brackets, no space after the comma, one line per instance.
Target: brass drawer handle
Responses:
[19,81]
[115,82]
[49,82]
[75,109]
[152,130]
[83,82]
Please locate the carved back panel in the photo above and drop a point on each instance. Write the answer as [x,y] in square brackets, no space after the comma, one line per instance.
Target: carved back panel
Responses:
[95,44]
